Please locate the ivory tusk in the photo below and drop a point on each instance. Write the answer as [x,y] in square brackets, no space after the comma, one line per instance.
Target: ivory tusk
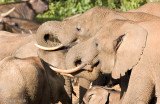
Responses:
[49,48]
[30,32]
[68,75]
[7,13]
[68,71]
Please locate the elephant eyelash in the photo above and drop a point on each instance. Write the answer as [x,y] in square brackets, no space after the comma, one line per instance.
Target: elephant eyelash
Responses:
[96,44]
[78,29]
[89,98]
[118,42]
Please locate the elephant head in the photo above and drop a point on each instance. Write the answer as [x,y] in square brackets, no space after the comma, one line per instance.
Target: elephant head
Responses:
[74,29]
[54,35]
[56,58]
[117,50]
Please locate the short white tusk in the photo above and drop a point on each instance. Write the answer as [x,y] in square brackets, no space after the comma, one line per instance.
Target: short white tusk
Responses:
[7,13]
[30,32]
[68,75]
[49,48]
[68,71]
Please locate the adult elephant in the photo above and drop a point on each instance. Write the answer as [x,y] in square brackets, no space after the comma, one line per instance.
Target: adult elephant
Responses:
[132,46]
[34,83]
[22,46]
[81,27]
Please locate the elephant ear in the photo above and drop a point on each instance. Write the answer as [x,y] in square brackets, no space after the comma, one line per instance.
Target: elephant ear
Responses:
[129,48]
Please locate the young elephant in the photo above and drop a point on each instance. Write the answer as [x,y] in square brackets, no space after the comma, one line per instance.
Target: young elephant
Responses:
[22,46]
[25,81]
[100,95]
[124,45]
[80,28]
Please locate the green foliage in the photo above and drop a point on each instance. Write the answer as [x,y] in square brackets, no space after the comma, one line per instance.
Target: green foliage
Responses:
[7,1]
[60,9]
[131,4]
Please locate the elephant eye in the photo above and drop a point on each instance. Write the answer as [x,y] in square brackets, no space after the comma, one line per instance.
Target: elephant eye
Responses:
[78,29]
[96,44]
[89,98]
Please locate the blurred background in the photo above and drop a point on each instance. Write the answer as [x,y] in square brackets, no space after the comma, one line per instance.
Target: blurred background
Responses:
[60,9]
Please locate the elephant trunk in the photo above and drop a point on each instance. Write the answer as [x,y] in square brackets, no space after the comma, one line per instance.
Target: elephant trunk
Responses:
[82,53]
[46,34]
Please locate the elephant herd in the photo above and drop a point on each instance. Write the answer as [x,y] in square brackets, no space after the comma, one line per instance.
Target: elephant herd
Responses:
[36,68]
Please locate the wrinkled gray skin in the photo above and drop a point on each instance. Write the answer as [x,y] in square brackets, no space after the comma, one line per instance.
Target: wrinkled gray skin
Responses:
[25,10]
[122,45]
[29,83]
[100,95]
[81,27]
[22,46]
[11,44]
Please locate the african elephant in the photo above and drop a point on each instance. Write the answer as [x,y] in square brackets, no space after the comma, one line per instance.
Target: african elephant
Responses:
[17,25]
[152,8]
[80,28]
[22,46]
[132,48]
[25,81]
[100,95]
[76,29]
[27,9]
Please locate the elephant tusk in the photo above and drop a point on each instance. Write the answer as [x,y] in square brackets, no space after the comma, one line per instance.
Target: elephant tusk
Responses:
[68,75]
[49,48]
[68,71]
[7,13]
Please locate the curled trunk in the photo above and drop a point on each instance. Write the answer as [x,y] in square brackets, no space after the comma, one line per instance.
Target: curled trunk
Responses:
[47,34]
